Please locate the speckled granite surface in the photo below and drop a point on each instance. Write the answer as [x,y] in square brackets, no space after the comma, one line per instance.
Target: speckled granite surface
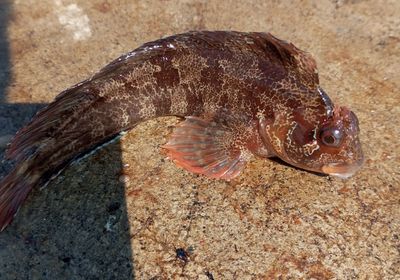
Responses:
[128,212]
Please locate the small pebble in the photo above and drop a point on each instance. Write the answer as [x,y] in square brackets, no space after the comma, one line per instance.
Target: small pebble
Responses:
[124,179]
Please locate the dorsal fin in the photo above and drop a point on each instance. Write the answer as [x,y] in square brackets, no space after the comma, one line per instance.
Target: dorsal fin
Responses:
[298,61]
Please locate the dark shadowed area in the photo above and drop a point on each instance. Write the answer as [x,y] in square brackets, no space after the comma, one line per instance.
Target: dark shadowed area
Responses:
[12,116]
[79,232]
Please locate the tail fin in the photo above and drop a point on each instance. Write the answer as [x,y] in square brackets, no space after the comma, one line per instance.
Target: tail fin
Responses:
[14,188]
[28,150]
[47,121]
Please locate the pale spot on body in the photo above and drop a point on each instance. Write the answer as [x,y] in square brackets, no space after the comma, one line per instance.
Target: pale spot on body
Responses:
[111,87]
[309,115]
[146,107]
[189,67]
[179,104]
[143,73]
[34,177]
[240,69]
[310,148]
[245,154]
[22,169]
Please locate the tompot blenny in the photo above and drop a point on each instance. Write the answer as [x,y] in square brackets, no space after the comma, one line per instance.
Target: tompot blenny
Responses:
[241,94]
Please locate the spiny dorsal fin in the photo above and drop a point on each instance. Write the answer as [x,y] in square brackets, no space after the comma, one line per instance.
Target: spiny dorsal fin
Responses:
[300,62]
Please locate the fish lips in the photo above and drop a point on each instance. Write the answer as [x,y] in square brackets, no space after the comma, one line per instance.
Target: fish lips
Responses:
[343,170]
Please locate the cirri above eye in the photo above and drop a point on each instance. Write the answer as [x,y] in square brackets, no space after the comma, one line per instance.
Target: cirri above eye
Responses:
[331,136]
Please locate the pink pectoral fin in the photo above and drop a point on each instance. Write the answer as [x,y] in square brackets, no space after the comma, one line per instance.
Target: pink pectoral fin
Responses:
[205,147]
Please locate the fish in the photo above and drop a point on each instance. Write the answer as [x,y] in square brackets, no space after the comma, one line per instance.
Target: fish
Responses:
[239,94]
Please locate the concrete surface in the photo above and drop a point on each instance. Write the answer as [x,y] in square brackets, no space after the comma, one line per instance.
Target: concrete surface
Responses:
[128,212]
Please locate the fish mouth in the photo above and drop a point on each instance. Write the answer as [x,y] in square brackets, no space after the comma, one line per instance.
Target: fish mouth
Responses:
[342,170]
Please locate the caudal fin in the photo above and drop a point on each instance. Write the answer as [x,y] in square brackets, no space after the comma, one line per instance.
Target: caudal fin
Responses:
[14,189]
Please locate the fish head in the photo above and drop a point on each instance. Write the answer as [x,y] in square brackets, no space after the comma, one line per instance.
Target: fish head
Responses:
[330,147]
[340,152]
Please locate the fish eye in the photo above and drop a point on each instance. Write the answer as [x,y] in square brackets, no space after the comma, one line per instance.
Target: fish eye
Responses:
[331,137]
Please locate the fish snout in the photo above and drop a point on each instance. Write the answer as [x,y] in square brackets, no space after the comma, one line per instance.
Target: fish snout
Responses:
[343,170]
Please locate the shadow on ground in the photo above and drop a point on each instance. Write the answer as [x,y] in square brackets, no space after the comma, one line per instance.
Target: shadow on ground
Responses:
[77,233]
[12,116]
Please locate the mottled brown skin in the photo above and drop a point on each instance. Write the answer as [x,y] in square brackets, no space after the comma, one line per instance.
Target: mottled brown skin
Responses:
[262,92]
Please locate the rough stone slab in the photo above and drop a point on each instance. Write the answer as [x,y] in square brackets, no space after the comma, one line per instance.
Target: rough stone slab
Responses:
[127,211]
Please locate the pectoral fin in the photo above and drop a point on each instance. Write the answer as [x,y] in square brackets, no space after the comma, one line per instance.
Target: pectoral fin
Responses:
[206,147]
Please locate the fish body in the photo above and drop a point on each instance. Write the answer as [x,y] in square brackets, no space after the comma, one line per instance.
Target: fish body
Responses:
[241,94]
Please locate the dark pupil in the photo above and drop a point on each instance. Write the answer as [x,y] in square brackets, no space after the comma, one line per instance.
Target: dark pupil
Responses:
[329,139]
